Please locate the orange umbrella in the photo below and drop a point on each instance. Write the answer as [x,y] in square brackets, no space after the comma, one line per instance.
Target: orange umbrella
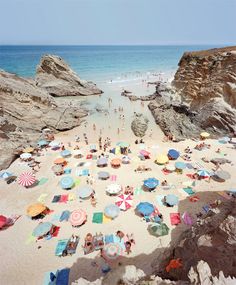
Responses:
[28,149]
[116,161]
[59,161]
[35,209]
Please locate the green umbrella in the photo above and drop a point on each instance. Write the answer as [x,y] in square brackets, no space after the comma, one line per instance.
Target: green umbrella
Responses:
[158,230]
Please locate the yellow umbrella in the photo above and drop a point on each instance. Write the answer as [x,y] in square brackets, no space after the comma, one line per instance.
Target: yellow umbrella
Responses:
[204,135]
[35,209]
[28,149]
[162,159]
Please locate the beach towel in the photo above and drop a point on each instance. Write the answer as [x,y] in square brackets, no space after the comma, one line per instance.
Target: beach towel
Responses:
[42,181]
[159,199]
[56,198]
[71,196]
[109,239]
[47,278]
[190,175]
[30,239]
[85,172]
[194,198]
[224,195]
[97,218]
[189,190]
[55,218]
[175,219]
[165,172]
[189,166]
[187,219]
[56,232]
[61,246]
[77,182]
[63,277]
[42,197]
[119,241]
[64,198]
[67,170]
[206,208]
[138,191]
[89,156]
[64,216]
[113,177]
[106,219]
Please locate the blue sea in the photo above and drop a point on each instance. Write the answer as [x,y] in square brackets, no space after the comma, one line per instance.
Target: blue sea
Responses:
[97,63]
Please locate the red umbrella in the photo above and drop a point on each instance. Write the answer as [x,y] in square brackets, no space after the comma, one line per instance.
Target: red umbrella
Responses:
[78,217]
[3,221]
[124,202]
[26,179]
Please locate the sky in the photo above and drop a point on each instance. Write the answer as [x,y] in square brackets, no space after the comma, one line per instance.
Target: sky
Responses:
[117,22]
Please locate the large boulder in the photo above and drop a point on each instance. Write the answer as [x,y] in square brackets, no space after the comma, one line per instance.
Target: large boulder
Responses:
[54,75]
[139,125]
[25,111]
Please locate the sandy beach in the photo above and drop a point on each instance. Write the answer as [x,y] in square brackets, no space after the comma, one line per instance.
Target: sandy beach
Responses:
[24,263]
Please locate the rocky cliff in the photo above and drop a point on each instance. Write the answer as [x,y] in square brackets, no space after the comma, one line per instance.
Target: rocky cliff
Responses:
[205,87]
[54,75]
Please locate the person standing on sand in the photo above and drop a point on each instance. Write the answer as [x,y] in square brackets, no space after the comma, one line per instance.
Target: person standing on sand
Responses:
[118,131]
[94,127]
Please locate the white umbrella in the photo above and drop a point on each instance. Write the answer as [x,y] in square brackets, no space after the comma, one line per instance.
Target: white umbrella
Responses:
[113,189]
[25,155]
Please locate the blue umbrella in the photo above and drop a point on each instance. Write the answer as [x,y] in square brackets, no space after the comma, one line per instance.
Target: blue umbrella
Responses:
[180,165]
[84,192]
[174,154]
[42,229]
[67,182]
[103,175]
[65,153]
[102,161]
[112,211]
[145,208]
[203,173]
[5,175]
[42,143]
[151,183]
[172,199]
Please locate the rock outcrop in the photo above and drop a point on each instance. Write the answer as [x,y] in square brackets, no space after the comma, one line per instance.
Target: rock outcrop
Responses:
[54,75]
[25,110]
[205,86]
[139,125]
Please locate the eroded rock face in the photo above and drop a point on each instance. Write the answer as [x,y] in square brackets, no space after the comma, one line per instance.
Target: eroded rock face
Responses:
[139,125]
[54,75]
[205,84]
[25,111]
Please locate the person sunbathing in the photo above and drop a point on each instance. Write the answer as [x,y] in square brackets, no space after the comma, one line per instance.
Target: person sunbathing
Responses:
[120,234]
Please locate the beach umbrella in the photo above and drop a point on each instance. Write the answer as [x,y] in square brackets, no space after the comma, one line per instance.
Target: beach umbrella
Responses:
[125,159]
[151,183]
[124,202]
[115,162]
[113,189]
[170,167]
[123,144]
[205,135]
[145,208]
[5,174]
[112,251]
[180,165]
[25,155]
[144,153]
[54,144]
[203,173]
[112,211]
[42,143]
[78,217]
[35,209]
[158,229]
[65,153]
[103,175]
[42,229]
[26,179]
[171,199]
[102,161]
[173,154]
[84,191]
[66,182]
[57,168]
[3,221]
[78,152]
[28,149]
[162,159]
[224,175]
[220,160]
[224,140]
[59,160]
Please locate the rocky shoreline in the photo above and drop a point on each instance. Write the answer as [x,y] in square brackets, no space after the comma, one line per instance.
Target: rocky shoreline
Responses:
[28,105]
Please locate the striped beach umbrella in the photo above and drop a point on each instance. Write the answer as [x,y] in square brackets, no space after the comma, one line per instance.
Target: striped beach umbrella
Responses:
[77,217]
[112,251]
[203,173]
[124,202]
[26,179]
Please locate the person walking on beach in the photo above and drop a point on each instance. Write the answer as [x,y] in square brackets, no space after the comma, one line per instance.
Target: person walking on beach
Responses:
[118,131]
[94,127]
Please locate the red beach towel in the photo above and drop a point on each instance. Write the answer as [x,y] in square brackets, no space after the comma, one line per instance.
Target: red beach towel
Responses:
[56,232]
[175,218]
[64,198]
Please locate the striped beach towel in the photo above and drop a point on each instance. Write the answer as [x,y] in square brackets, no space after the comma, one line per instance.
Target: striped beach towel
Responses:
[113,177]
